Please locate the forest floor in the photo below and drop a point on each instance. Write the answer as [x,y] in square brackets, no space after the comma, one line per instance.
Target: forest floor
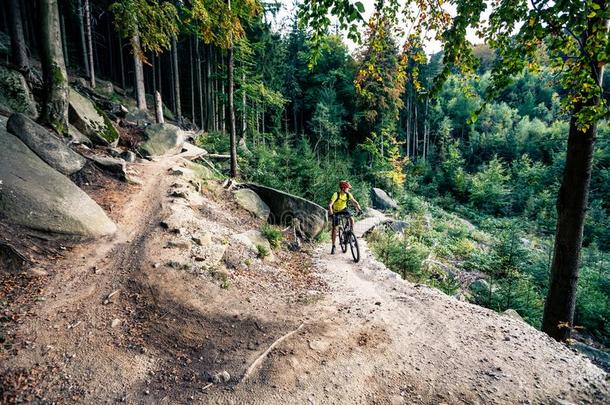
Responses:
[174,300]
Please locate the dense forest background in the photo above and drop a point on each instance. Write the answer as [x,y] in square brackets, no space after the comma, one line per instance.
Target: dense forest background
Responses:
[371,117]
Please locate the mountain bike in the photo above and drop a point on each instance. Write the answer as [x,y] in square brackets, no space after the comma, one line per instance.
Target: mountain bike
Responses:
[347,237]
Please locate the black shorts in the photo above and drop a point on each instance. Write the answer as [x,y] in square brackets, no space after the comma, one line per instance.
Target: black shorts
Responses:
[337,215]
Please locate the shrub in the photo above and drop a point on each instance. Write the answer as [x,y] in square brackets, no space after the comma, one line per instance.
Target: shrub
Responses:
[273,234]
[489,189]
[262,251]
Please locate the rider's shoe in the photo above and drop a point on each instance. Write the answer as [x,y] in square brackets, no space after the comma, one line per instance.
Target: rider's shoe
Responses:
[332,251]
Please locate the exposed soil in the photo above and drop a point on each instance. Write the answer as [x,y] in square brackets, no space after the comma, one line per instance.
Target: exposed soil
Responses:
[157,313]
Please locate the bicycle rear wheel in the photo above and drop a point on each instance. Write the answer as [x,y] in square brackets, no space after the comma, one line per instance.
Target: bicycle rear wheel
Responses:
[353,245]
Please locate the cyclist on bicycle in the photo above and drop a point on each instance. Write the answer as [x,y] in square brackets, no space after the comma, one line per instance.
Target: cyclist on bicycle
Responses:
[338,208]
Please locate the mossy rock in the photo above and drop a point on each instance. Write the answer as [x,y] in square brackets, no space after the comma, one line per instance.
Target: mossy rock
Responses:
[15,95]
[162,139]
[90,120]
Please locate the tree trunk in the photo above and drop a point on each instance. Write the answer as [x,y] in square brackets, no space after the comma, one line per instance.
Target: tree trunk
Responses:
[231,109]
[19,54]
[558,318]
[81,30]
[111,64]
[121,63]
[64,40]
[199,84]
[176,80]
[192,74]
[89,43]
[571,212]
[55,99]
[208,86]
[139,73]
[222,111]
[243,108]
[154,72]
[214,92]
[158,108]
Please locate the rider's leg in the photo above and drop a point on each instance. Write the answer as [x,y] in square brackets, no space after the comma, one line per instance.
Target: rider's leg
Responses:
[334,237]
[351,221]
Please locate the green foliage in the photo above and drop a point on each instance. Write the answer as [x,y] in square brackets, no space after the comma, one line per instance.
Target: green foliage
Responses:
[273,234]
[262,251]
[154,23]
[489,190]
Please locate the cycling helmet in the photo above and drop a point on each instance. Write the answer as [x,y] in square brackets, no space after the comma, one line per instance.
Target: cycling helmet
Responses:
[344,184]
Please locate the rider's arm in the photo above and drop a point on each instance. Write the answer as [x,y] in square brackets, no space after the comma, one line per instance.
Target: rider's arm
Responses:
[355,202]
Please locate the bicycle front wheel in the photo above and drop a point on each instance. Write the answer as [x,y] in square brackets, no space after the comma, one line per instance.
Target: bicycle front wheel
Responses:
[353,245]
[343,240]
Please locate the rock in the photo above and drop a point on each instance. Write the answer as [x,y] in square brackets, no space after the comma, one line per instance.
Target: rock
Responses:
[287,207]
[77,137]
[511,313]
[179,244]
[382,200]
[15,95]
[114,152]
[598,357]
[202,239]
[11,261]
[45,144]
[319,345]
[91,121]
[128,156]
[37,272]
[250,201]
[116,167]
[139,118]
[397,226]
[252,239]
[221,378]
[35,195]
[162,139]
[115,322]
[103,87]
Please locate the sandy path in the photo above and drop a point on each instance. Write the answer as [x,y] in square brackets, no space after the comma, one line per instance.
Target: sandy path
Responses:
[438,349]
[360,334]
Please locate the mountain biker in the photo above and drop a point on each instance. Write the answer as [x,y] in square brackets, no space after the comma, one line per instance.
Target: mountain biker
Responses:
[338,208]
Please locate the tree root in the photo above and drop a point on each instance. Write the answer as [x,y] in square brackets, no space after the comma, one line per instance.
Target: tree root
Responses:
[262,357]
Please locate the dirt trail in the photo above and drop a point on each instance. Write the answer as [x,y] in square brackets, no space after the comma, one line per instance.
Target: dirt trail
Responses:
[193,302]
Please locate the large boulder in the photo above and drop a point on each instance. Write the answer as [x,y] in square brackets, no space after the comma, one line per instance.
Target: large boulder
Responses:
[253,239]
[116,167]
[162,139]
[45,144]
[250,201]
[35,195]
[381,200]
[15,95]
[91,121]
[287,207]
[77,138]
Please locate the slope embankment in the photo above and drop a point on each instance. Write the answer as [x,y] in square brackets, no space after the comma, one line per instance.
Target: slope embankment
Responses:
[181,306]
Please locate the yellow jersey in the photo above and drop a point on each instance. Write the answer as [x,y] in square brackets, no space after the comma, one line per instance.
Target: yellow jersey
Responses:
[339,200]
